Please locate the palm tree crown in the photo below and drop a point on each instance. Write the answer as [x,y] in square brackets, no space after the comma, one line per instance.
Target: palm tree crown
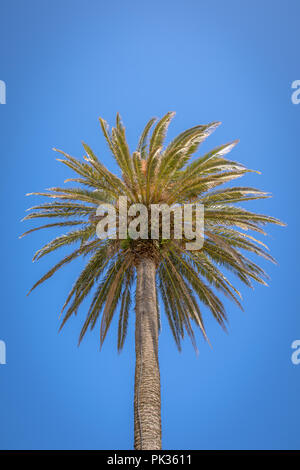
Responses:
[151,175]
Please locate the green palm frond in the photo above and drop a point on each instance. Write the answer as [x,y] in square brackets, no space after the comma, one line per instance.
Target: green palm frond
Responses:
[143,142]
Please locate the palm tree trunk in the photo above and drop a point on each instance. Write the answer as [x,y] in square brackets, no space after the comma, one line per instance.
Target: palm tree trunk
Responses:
[147,402]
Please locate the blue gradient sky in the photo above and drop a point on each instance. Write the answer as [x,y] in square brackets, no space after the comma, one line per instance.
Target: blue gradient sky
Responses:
[64,64]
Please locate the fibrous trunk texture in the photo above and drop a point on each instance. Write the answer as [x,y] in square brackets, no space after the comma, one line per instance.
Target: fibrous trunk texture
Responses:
[147,401]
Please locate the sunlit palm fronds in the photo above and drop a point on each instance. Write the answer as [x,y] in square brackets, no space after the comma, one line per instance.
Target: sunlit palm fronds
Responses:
[189,282]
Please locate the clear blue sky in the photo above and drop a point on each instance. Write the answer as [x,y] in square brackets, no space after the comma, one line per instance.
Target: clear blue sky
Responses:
[67,62]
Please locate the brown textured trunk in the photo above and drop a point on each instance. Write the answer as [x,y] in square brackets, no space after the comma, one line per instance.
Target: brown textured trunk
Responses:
[147,403]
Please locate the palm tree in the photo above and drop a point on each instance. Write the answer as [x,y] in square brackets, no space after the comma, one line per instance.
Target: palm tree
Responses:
[163,267]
